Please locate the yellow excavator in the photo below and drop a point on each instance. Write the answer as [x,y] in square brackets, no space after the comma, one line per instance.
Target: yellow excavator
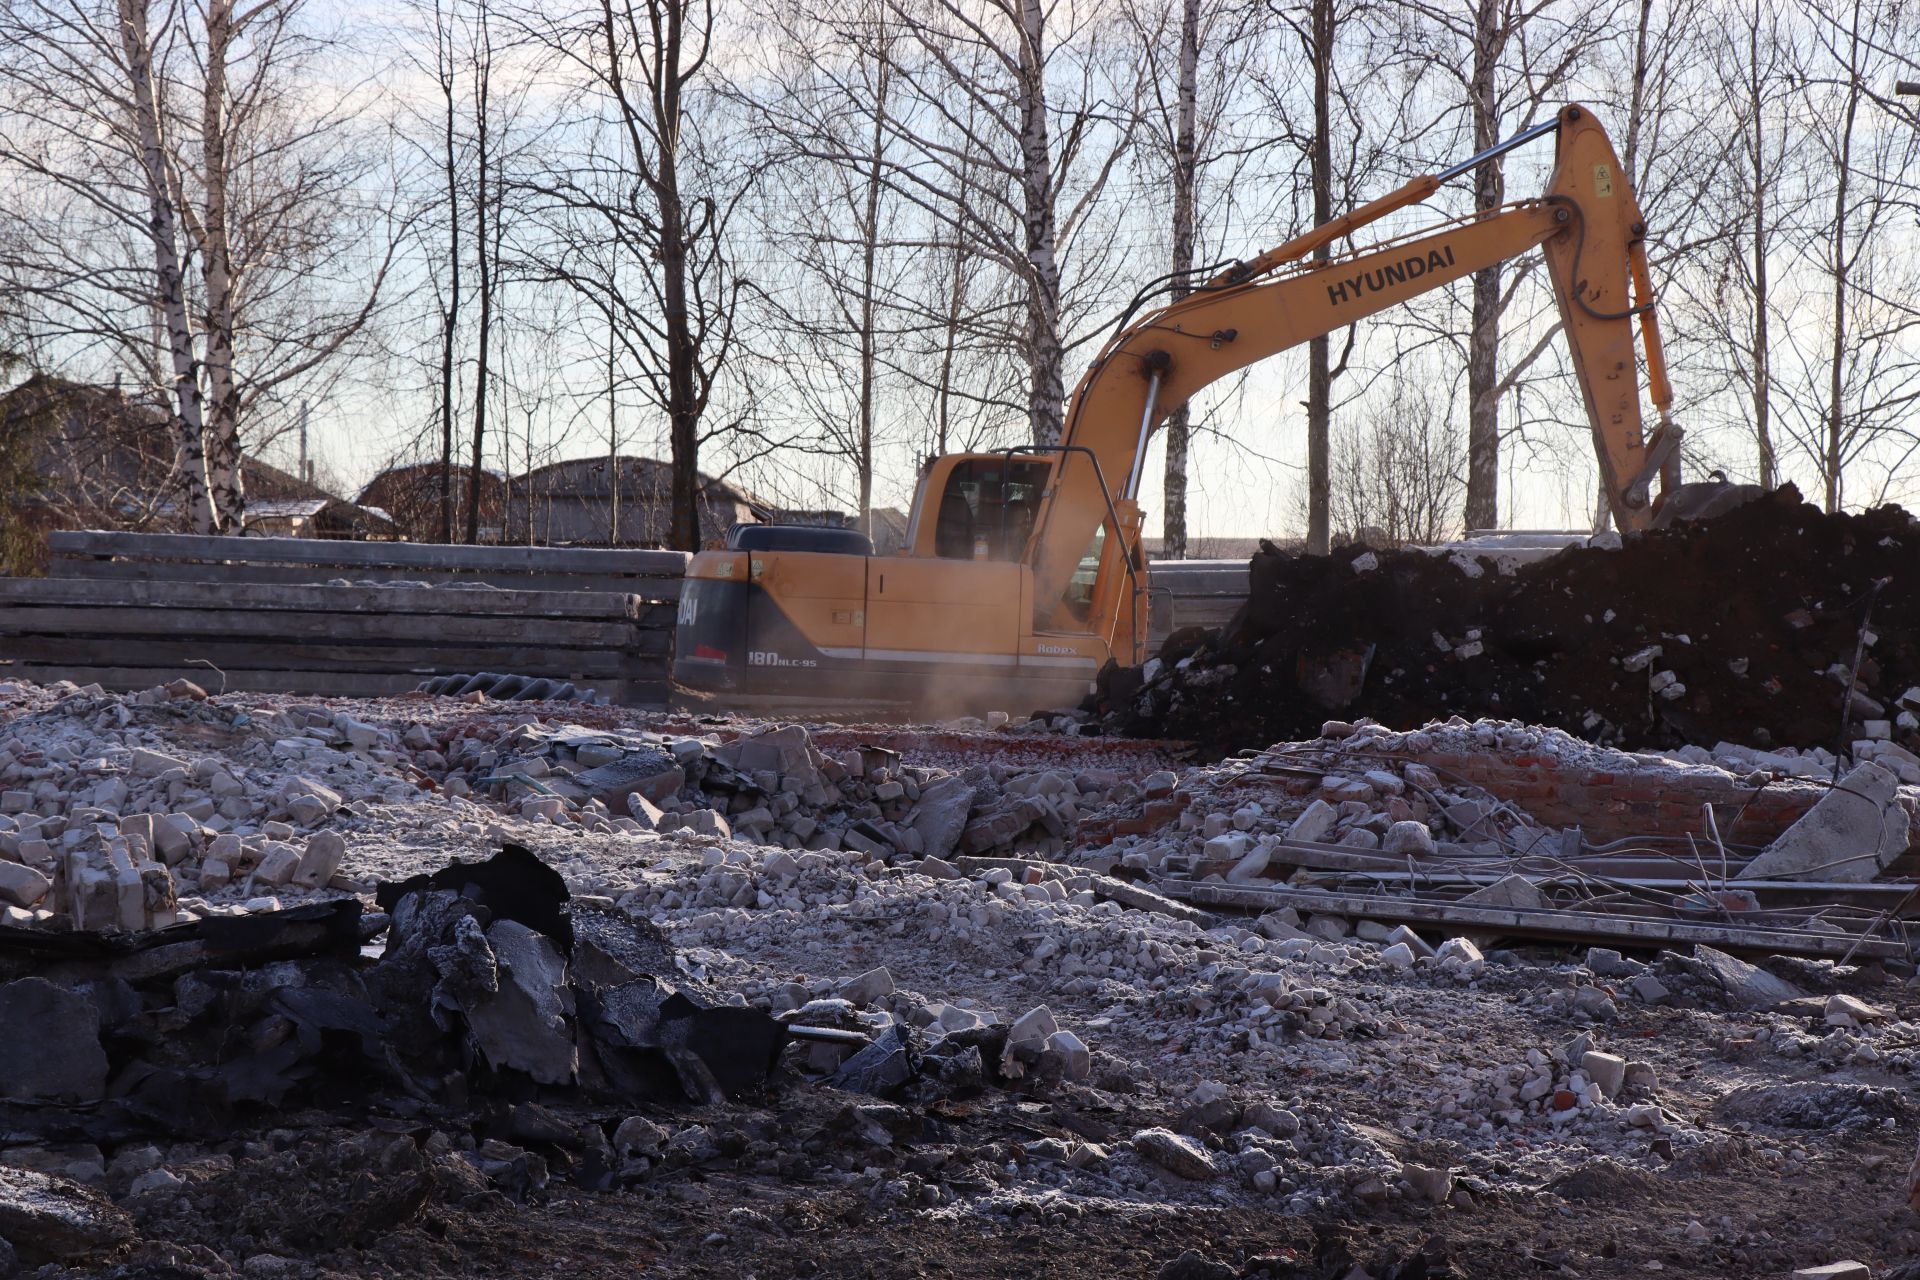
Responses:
[1023,571]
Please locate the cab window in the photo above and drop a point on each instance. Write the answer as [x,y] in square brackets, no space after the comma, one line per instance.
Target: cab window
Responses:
[987,509]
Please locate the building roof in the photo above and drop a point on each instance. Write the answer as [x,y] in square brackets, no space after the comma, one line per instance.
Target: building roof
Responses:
[642,479]
[109,458]
[424,475]
[285,508]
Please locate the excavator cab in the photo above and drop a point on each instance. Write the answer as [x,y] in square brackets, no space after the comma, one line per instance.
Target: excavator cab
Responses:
[987,507]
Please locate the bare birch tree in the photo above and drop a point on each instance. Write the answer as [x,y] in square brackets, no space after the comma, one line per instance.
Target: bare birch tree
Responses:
[1760,78]
[645,180]
[1655,84]
[488,231]
[1398,466]
[996,101]
[1506,64]
[197,221]
[824,105]
[1197,64]
[1859,371]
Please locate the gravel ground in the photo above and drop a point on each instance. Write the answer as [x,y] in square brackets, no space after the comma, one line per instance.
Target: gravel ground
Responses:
[1273,1107]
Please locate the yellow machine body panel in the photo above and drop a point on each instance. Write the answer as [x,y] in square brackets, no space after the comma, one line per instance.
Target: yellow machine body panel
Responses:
[945,607]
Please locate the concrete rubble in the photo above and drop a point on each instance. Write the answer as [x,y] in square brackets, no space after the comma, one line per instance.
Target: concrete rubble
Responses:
[545,972]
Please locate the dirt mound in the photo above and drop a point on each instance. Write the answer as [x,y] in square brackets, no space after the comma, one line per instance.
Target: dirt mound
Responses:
[1740,629]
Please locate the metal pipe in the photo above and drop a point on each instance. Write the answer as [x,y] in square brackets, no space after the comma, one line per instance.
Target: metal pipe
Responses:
[1499,149]
[1140,446]
[1415,191]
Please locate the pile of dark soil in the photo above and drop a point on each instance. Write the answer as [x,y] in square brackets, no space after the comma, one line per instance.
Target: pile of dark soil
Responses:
[1755,614]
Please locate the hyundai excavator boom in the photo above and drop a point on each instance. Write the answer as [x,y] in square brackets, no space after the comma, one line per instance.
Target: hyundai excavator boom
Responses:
[1024,572]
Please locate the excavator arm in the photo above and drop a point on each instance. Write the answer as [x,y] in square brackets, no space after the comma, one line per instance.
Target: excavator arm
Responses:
[1593,237]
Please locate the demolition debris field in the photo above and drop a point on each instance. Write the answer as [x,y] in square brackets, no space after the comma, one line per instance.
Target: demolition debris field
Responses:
[1740,629]
[428,986]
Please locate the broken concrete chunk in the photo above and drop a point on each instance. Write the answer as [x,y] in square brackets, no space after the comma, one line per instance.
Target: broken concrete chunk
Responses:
[1230,847]
[1329,928]
[707,822]
[1414,942]
[173,836]
[637,1135]
[156,1180]
[1432,1185]
[1277,1121]
[1847,1270]
[1510,891]
[1744,984]
[651,774]
[543,808]
[1070,1054]
[21,885]
[642,811]
[953,1018]
[1648,988]
[524,1024]
[1176,1153]
[1846,1011]
[1607,1070]
[278,862]
[1399,955]
[1314,822]
[1031,1029]
[51,1052]
[309,802]
[868,987]
[53,1219]
[1159,783]
[1250,866]
[151,764]
[1384,781]
[1851,834]
[324,852]
[941,815]
[1409,838]
[1605,962]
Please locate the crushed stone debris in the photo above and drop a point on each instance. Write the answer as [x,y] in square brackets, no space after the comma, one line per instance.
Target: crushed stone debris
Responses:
[989,1022]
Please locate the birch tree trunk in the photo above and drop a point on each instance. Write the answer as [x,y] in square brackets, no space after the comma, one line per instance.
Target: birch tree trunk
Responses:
[683,350]
[1483,342]
[869,283]
[1758,228]
[164,232]
[1173,541]
[483,77]
[1046,395]
[1840,267]
[953,316]
[613,422]
[450,321]
[225,484]
[1320,349]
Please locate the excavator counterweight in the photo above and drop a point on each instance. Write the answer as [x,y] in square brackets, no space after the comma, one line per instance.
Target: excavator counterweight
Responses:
[1024,570]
